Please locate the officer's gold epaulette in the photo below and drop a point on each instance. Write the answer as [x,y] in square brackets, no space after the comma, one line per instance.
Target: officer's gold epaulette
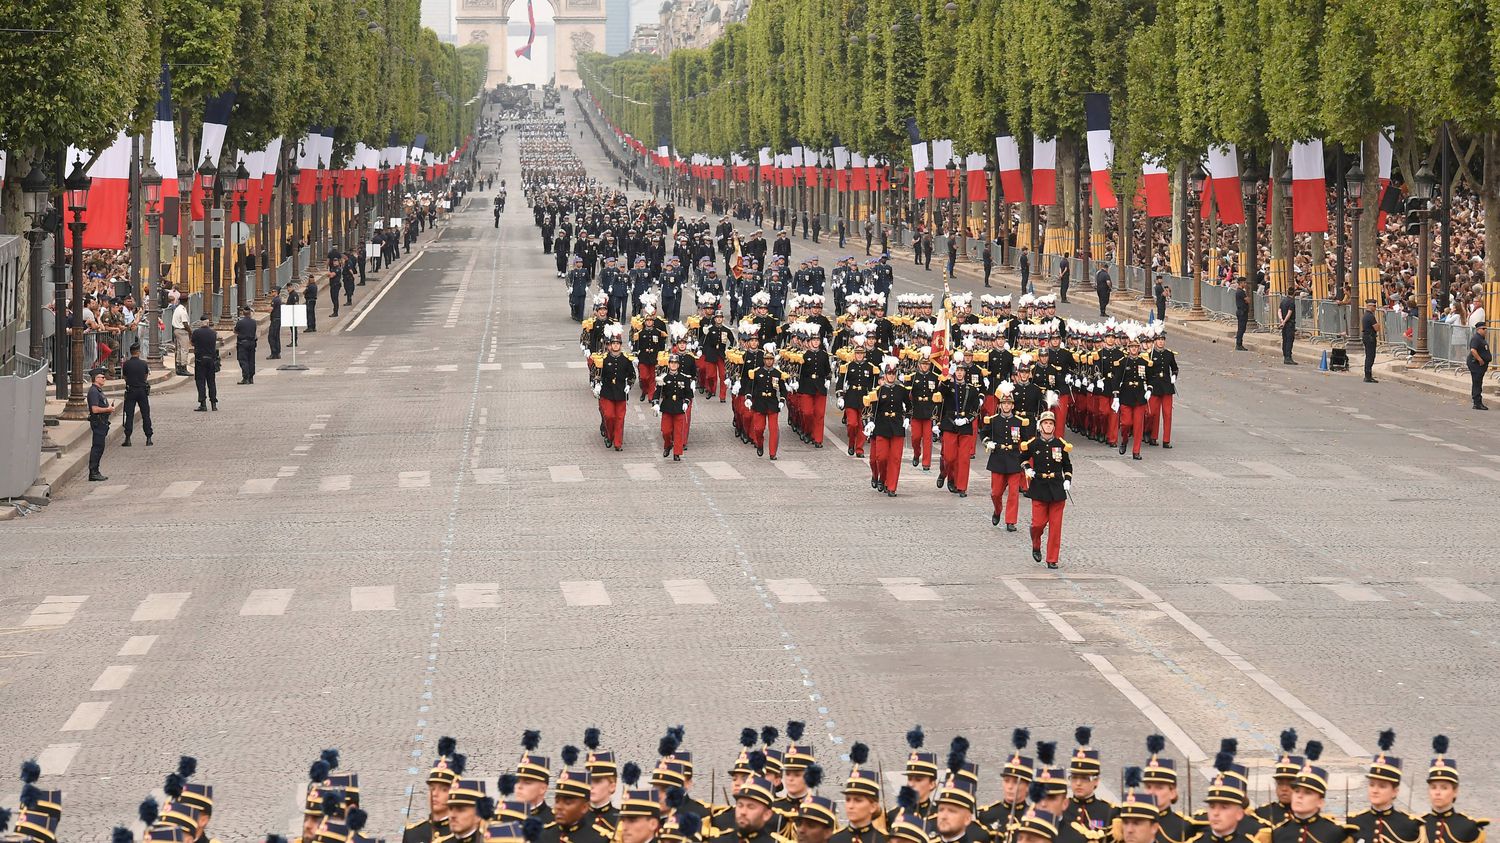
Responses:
[845,354]
[630,357]
[1068,446]
[661,357]
[636,322]
[588,324]
[871,397]
[410,826]
[693,322]
[597,357]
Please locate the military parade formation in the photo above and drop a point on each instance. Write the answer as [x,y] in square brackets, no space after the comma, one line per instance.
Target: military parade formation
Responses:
[1011,376]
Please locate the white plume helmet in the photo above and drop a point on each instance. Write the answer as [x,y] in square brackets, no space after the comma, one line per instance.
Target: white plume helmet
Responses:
[889,363]
[768,348]
[1026,359]
[1003,301]
[963,300]
[1026,300]
[761,298]
[707,299]
[748,327]
[677,331]
[613,332]
[923,328]
[926,352]
[859,340]
[601,298]
[1007,390]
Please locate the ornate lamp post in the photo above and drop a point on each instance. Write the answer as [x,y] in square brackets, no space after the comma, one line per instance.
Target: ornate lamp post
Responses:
[241,187]
[36,185]
[76,193]
[151,190]
[208,176]
[1195,199]
[1421,190]
[1354,188]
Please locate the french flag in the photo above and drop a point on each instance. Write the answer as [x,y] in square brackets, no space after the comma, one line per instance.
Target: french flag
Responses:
[268,178]
[1043,171]
[1154,196]
[254,163]
[307,166]
[840,167]
[978,183]
[164,155]
[766,164]
[1387,201]
[109,194]
[663,153]
[942,153]
[1309,193]
[215,125]
[1224,184]
[1008,160]
[391,158]
[919,159]
[1101,147]
[860,178]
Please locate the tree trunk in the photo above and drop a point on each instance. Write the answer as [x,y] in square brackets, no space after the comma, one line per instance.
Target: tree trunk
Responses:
[1177,247]
[1369,228]
[1490,198]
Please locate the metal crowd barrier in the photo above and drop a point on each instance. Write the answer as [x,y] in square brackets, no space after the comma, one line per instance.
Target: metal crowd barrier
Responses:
[1448,345]
[1395,337]
[1331,324]
[284,273]
[304,258]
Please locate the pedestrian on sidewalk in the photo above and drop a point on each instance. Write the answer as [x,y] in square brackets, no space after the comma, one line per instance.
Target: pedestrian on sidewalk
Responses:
[180,341]
[99,410]
[206,364]
[350,273]
[137,394]
[1102,286]
[244,345]
[1479,363]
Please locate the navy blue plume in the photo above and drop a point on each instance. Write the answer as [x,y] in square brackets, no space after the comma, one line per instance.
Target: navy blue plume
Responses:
[30,771]
[678,732]
[957,755]
[332,757]
[506,784]
[794,729]
[1229,745]
[1020,737]
[1387,740]
[1082,734]
[332,799]
[747,737]
[1440,744]
[457,763]
[689,825]
[1313,750]
[675,797]
[275,838]
[757,761]
[532,828]
[915,737]
[769,734]
[1132,776]
[173,785]
[121,834]
[357,819]
[1046,752]
[631,773]
[813,776]
[1288,740]
[485,807]
[148,810]
[187,766]
[569,755]
[859,753]
[446,745]
[318,771]
[1222,761]
[906,798]
[666,746]
[1154,744]
[29,795]
[4,819]
[591,737]
[1037,793]
[531,739]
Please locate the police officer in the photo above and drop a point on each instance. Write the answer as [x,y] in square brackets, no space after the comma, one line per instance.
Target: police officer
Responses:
[99,410]
[1478,361]
[1367,331]
[244,345]
[206,364]
[1286,313]
[310,298]
[499,203]
[273,330]
[137,394]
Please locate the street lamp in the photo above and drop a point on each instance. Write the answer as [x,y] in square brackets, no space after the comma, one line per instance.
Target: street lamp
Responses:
[36,185]
[223,184]
[1354,188]
[1421,190]
[151,188]
[76,195]
[1084,235]
[1120,180]
[241,185]
[1198,178]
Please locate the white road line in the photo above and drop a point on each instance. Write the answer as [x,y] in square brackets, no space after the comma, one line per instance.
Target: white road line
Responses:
[160,607]
[109,491]
[317,426]
[1486,473]
[55,611]
[565,473]
[584,593]
[489,476]
[908,588]
[795,591]
[1424,437]
[372,598]
[55,758]
[85,717]
[335,483]
[532,364]
[264,602]
[796,470]
[575,364]
[720,471]
[1462,449]
[1245,590]
[356,370]
[137,645]
[1118,469]
[1063,628]
[1451,589]
[397,369]
[690,592]
[414,479]
[477,595]
[1354,592]
[1163,722]
[641,471]
[1193,469]
[390,285]
[113,678]
[446,367]
[288,471]
[180,488]
[258,486]
[314,372]
[1266,469]
[489,367]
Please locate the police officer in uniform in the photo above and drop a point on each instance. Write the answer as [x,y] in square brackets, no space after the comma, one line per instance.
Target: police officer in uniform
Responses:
[1383,822]
[137,393]
[206,364]
[99,410]
[244,345]
[1367,334]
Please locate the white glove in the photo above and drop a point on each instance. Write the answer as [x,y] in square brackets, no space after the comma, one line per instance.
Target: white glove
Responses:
[1115,405]
[598,388]
[906,424]
[869,428]
[1174,380]
[583,348]
[1099,384]
[658,380]
[657,408]
[781,407]
[989,444]
[841,402]
[747,404]
[968,342]
[1051,398]
[1067,485]
[735,389]
[792,385]
[1030,473]
[1068,379]
[1148,395]
[960,421]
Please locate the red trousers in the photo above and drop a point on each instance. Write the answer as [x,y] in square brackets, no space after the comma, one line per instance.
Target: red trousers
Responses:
[1064,403]
[700,372]
[885,460]
[956,450]
[647,373]
[921,441]
[674,429]
[1133,424]
[1000,486]
[1047,516]
[1159,418]
[713,378]
[855,428]
[814,408]
[763,425]
[1111,421]
[741,415]
[614,420]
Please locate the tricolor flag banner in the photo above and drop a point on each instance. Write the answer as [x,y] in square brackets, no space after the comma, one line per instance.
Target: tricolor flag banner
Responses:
[1043,171]
[109,194]
[765,163]
[252,162]
[919,159]
[215,124]
[860,178]
[716,170]
[942,155]
[741,167]
[164,155]
[418,146]
[1224,171]
[353,176]
[1309,193]
[811,160]
[1101,147]
[391,158]
[524,51]
[1154,196]
[1389,200]
[307,166]
[369,165]
[795,161]
[325,160]
[978,183]
[840,167]
[663,153]
[1008,162]
[272,162]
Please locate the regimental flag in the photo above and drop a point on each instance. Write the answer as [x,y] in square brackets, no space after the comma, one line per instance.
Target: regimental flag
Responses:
[942,155]
[1309,193]
[1043,171]
[272,163]
[109,194]
[978,182]
[1224,184]
[919,159]
[1390,197]
[164,155]
[215,124]
[1101,147]
[524,51]
[1154,196]
[1008,162]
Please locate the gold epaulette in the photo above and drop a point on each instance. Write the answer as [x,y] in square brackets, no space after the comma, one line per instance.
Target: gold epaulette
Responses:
[1067,446]
[661,358]
[845,354]
[793,356]
[734,355]
[693,322]
[597,358]
[843,367]
[872,396]
[636,322]
[410,826]
[588,324]
[988,320]
[629,357]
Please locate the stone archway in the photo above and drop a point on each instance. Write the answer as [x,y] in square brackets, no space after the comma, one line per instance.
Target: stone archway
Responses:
[578,26]
[486,21]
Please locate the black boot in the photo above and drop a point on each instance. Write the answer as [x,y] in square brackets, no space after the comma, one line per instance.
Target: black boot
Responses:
[126,443]
[202,408]
[1036,554]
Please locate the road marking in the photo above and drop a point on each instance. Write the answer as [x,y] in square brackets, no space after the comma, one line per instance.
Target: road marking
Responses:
[397,369]
[796,470]
[114,677]
[641,471]
[575,364]
[720,471]
[372,598]
[1424,437]
[414,479]
[108,491]
[85,717]
[288,471]
[489,476]
[531,364]
[489,367]
[356,370]
[584,593]
[1064,628]
[1354,592]
[1118,469]
[55,759]
[1342,472]
[1163,722]
[690,592]
[55,611]
[1265,469]
[1390,426]
[160,607]
[795,591]
[1193,469]
[1451,589]
[137,645]
[477,595]
[1241,589]
[908,588]
[1486,473]
[388,287]
[446,367]
[258,486]
[1462,449]
[180,488]
[313,372]
[565,473]
[264,602]
[335,483]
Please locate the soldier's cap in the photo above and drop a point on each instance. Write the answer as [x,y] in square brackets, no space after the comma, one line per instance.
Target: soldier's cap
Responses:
[94,373]
[669,773]
[910,827]
[1048,415]
[1137,804]
[509,831]
[332,831]
[862,782]
[198,795]
[1443,768]
[757,789]
[640,803]
[1053,781]
[1312,778]
[960,792]
[818,809]
[1287,765]
[37,826]
[798,756]
[347,782]
[574,783]
[466,792]
[33,798]
[1037,822]
[1231,783]
[511,810]
[168,834]
[183,815]
[1383,766]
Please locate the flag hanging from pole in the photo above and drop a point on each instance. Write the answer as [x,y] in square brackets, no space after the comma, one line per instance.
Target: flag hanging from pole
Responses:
[524,52]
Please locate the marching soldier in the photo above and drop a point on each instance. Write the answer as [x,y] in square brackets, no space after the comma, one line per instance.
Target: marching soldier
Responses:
[572,820]
[1226,819]
[926,402]
[954,822]
[648,339]
[673,399]
[921,775]
[1015,778]
[1444,822]
[811,385]
[1307,822]
[861,802]
[640,815]
[1285,771]
[857,378]
[578,288]
[603,779]
[753,815]
[1161,377]
[464,822]
[1383,822]
[1138,814]
[890,406]
[1132,391]
[1160,779]
[765,400]
[958,407]
[1083,780]
[616,374]
[444,774]
[795,765]
[714,340]
[534,772]
[1049,475]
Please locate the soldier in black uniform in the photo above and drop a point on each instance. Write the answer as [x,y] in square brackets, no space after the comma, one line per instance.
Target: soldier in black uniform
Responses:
[765,400]
[273,329]
[1015,776]
[1160,779]
[954,821]
[1049,474]
[534,772]
[572,820]
[861,802]
[1383,822]
[1136,817]
[1444,822]
[578,289]
[1083,780]
[603,779]
[615,375]
[921,774]
[244,345]
[958,415]
[1307,823]
[1285,771]
[753,815]
[674,396]
[926,402]
[1132,394]
[1161,376]
[1226,819]
[441,778]
[890,410]
[1003,435]
[816,817]
[640,815]
[465,825]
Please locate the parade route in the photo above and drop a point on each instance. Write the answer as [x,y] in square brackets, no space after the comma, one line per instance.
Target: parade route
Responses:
[421,535]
